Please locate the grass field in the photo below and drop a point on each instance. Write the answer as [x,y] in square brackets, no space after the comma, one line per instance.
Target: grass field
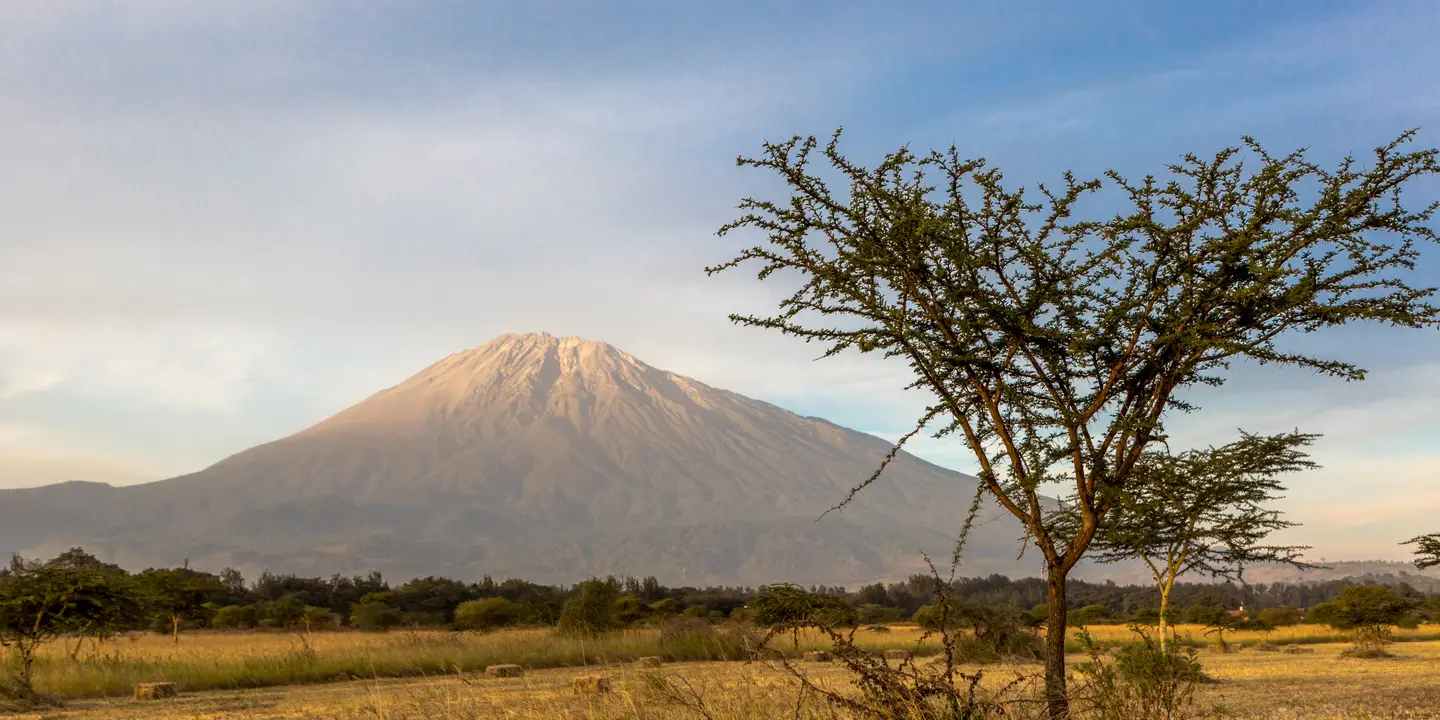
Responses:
[356,675]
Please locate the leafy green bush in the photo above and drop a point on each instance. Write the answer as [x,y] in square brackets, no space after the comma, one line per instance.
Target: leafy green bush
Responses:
[1322,614]
[1089,615]
[236,616]
[490,614]
[1280,617]
[375,615]
[590,610]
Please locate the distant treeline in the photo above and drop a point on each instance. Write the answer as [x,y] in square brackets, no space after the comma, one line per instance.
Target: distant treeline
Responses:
[169,599]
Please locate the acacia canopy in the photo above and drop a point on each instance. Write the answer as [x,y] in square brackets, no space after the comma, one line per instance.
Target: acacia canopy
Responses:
[1427,550]
[1055,347]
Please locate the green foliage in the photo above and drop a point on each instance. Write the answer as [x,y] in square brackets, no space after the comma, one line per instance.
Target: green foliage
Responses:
[318,617]
[490,614]
[1089,615]
[1206,614]
[873,614]
[629,610]
[1427,550]
[286,612]
[789,607]
[178,594]
[42,601]
[1369,605]
[236,616]
[697,611]
[375,613]
[590,610]
[664,606]
[1280,617]
[1325,613]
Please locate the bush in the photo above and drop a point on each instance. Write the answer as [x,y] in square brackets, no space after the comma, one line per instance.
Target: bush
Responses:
[236,616]
[590,610]
[1279,617]
[490,614]
[1143,681]
[1372,605]
[1322,614]
[1088,615]
[1206,614]
[285,612]
[873,614]
[375,615]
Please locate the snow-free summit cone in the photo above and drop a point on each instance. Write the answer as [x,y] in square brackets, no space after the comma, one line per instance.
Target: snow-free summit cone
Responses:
[543,457]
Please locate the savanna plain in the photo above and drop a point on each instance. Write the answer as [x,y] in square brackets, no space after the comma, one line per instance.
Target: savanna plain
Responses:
[1292,672]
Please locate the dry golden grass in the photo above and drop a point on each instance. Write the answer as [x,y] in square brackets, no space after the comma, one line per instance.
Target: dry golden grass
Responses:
[1254,684]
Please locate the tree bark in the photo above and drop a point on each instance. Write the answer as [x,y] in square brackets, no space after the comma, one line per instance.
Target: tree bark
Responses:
[1057,700]
[1164,623]
[175,627]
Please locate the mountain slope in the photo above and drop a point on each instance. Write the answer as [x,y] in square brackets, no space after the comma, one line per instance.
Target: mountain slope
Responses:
[542,457]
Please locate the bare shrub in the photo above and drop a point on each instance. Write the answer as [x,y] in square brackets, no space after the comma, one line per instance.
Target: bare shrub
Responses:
[1144,680]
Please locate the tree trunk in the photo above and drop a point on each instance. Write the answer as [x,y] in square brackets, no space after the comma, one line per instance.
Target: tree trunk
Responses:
[27,662]
[1164,623]
[175,627]
[1057,701]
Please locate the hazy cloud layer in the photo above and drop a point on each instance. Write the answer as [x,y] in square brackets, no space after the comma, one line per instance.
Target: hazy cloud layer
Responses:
[224,221]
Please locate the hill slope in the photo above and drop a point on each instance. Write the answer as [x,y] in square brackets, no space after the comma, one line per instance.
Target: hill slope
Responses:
[540,457]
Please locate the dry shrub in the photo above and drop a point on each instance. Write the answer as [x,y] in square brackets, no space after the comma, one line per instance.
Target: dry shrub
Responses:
[1141,681]
[504,671]
[1370,642]
[1297,650]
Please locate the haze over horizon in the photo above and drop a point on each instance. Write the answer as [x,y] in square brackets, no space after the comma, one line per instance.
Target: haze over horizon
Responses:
[225,222]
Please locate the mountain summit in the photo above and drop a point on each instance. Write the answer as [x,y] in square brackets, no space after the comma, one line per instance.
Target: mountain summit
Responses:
[540,457]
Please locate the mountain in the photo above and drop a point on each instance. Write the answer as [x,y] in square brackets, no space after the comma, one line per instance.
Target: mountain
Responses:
[546,458]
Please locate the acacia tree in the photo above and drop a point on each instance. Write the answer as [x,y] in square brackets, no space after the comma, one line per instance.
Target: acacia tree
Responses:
[1057,347]
[1427,550]
[1201,511]
[178,594]
[40,602]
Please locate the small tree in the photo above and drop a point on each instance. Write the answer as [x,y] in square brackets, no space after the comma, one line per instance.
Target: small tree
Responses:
[1427,550]
[1057,347]
[313,616]
[178,594]
[590,610]
[285,612]
[1370,611]
[40,602]
[1201,511]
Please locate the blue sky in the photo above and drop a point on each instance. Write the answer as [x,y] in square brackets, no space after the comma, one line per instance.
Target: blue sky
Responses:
[224,221]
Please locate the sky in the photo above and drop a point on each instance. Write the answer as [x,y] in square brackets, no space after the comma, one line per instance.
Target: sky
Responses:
[222,222]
